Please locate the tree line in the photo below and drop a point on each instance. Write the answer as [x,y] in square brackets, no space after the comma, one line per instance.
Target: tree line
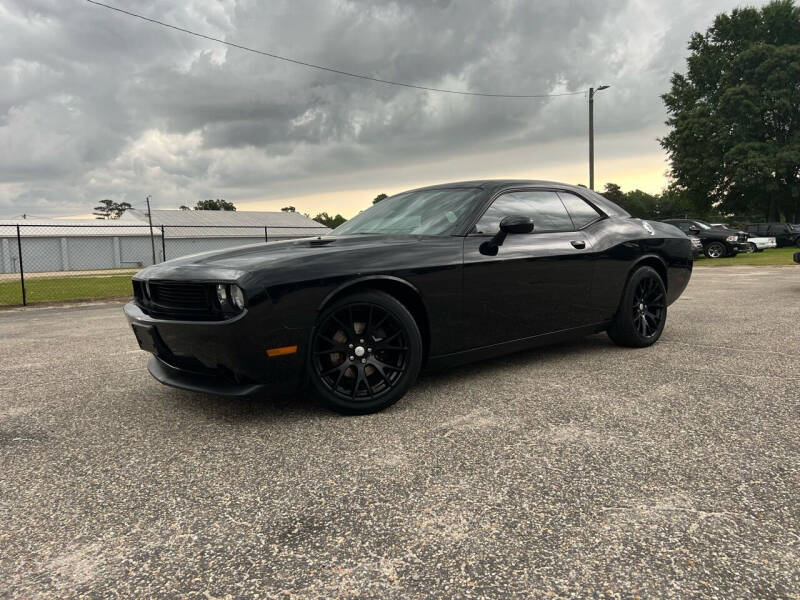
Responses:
[734,116]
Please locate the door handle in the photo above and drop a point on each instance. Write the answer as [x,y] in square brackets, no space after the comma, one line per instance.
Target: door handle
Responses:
[579,244]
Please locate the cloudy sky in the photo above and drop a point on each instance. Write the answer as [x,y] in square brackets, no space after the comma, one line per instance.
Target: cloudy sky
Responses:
[95,104]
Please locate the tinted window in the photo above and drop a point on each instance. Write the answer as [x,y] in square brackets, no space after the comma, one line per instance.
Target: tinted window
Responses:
[423,212]
[682,225]
[582,212]
[545,208]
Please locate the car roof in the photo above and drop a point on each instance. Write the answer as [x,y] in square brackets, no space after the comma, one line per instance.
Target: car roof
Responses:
[492,186]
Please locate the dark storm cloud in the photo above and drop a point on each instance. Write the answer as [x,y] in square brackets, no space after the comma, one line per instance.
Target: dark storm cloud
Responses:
[96,104]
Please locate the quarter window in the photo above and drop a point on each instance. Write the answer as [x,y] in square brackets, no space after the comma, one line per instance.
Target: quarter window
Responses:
[545,208]
[582,212]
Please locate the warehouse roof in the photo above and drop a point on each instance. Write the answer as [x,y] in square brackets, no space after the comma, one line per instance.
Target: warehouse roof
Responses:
[71,228]
[176,223]
[224,223]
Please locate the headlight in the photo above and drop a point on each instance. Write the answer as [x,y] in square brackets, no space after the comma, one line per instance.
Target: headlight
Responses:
[732,238]
[230,297]
[222,295]
[237,296]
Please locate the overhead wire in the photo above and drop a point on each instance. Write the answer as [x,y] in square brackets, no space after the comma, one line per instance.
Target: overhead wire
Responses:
[326,68]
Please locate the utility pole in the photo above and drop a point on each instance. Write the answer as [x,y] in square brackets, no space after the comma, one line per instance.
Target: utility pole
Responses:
[591,132]
[150,220]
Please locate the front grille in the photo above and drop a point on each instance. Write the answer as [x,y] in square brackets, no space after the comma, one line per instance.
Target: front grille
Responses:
[182,300]
[742,237]
[177,295]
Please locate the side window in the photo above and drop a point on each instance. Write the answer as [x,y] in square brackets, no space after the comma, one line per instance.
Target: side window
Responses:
[582,212]
[545,208]
[683,226]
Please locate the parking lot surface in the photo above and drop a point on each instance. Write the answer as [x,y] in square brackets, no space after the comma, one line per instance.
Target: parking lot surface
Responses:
[578,470]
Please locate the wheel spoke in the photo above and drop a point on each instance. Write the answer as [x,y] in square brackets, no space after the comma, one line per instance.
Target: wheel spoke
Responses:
[379,364]
[339,348]
[333,369]
[383,344]
[348,329]
[339,379]
[362,374]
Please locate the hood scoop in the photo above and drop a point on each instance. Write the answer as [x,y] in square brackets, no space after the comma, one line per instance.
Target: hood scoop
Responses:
[320,242]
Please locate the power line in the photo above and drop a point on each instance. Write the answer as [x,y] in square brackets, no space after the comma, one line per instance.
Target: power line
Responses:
[328,69]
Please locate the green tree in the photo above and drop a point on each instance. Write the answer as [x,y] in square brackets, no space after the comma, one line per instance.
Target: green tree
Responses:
[184,207]
[217,204]
[734,117]
[379,197]
[638,203]
[614,193]
[109,209]
[288,209]
[329,221]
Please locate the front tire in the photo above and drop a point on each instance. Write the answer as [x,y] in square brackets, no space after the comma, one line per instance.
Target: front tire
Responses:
[642,311]
[365,352]
[715,250]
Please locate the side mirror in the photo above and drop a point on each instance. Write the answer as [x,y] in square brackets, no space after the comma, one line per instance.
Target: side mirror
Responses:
[516,225]
[513,224]
[694,230]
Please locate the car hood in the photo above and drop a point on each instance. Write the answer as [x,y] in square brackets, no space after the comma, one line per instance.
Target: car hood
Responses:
[235,263]
[723,232]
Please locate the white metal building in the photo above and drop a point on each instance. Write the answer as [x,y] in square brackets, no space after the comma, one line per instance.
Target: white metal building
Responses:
[68,245]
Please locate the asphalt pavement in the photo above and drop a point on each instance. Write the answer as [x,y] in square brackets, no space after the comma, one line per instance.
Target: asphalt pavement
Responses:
[578,470]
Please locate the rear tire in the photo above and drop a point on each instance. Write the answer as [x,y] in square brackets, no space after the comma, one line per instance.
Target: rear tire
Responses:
[365,352]
[642,311]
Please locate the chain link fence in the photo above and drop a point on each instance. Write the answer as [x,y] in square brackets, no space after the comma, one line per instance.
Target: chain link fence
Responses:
[51,263]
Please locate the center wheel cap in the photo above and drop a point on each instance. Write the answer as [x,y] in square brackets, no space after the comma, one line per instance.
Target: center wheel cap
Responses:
[359,351]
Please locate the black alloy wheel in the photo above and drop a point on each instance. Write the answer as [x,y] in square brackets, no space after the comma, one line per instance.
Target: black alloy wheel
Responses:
[715,250]
[366,351]
[751,248]
[642,313]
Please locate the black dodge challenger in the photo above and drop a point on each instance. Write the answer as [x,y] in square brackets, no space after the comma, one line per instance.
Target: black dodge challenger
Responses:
[428,278]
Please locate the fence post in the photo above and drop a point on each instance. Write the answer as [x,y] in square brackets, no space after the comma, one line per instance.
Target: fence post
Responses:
[163,245]
[266,238]
[21,270]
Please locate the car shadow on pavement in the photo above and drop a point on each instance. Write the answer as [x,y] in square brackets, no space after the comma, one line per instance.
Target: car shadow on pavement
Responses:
[303,405]
[255,408]
[522,359]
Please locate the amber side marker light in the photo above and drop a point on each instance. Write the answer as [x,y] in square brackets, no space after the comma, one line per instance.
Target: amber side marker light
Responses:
[282,351]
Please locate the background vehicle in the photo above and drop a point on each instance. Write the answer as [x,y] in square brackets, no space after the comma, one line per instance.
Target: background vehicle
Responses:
[785,234]
[759,244]
[697,245]
[717,241]
[428,278]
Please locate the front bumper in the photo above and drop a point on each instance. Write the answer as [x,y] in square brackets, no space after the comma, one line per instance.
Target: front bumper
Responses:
[227,358]
[199,382]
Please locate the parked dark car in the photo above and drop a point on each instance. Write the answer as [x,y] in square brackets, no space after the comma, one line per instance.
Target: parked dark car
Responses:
[785,234]
[717,242]
[697,246]
[428,278]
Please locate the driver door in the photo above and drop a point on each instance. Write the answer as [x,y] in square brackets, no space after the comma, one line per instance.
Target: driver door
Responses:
[537,282]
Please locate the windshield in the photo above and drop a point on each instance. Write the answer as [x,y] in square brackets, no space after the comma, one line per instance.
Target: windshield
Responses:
[425,212]
[703,224]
